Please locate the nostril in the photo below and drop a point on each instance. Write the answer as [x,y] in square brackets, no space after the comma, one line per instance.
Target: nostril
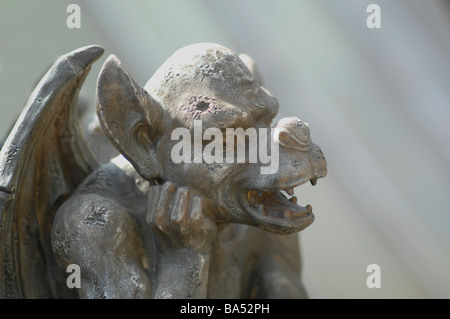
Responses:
[294,133]
[286,139]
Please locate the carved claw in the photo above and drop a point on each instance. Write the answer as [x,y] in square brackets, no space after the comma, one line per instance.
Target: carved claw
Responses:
[176,216]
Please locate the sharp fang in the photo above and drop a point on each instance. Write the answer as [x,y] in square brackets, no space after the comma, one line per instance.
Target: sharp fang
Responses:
[313,181]
[251,196]
[290,191]
[262,209]
[293,200]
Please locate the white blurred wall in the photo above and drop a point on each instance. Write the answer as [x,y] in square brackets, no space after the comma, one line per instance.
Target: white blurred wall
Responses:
[376,100]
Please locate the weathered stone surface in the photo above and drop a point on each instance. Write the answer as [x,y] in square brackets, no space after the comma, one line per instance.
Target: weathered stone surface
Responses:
[144,225]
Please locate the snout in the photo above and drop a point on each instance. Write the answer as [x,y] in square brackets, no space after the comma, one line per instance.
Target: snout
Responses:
[293,136]
[319,162]
[293,133]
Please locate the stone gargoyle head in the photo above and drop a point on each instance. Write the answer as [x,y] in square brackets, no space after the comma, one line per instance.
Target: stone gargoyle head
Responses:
[203,121]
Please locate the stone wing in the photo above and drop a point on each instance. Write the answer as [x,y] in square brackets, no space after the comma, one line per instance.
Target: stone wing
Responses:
[43,160]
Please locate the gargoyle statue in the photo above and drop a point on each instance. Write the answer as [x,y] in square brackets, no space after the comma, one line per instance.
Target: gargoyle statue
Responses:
[145,225]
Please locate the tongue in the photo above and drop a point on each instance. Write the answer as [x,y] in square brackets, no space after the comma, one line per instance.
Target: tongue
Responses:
[279,199]
[272,201]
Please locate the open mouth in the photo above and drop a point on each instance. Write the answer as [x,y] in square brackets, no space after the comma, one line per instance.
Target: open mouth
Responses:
[277,209]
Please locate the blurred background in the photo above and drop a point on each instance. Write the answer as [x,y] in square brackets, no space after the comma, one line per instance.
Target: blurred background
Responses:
[377,102]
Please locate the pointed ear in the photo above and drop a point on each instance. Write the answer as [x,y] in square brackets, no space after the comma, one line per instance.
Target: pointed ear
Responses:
[130,117]
[253,67]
